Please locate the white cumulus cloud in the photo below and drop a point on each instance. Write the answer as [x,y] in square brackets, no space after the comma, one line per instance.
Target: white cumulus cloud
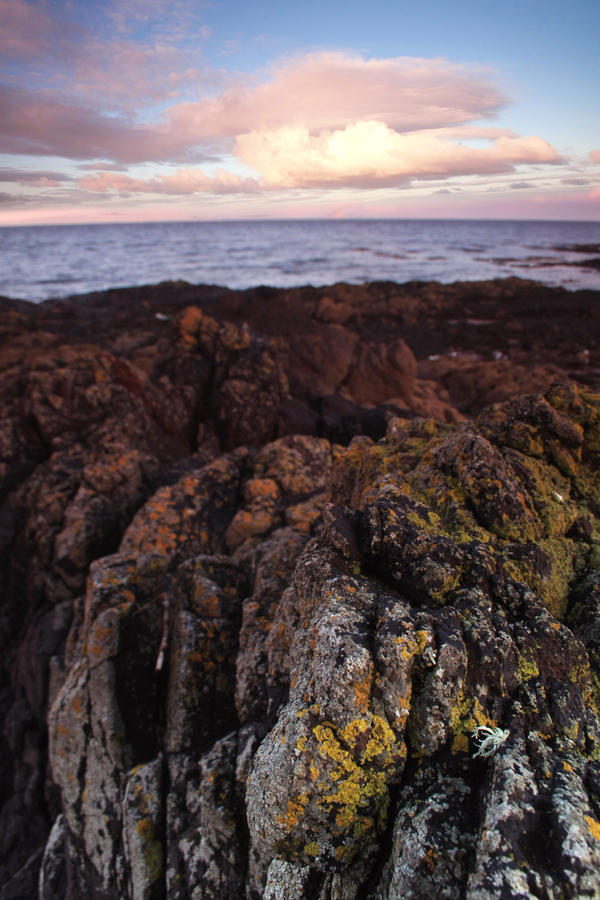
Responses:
[370,153]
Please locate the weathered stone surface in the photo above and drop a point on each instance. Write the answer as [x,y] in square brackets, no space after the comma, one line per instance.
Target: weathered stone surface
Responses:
[143,828]
[171,659]
[265,656]
[423,626]
[53,875]
[247,384]
[87,440]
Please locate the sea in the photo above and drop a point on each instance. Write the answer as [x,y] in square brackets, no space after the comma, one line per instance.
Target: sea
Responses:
[42,262]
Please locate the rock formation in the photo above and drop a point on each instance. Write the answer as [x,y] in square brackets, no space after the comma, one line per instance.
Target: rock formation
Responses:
[267,591]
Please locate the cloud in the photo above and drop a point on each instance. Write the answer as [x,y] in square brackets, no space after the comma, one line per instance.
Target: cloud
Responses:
[329,90]
[17,200]
[101,167]
[27,30]
[39,125]
[520,185]
[364,155]
[174,19]
[33,179]
[186,181]
[595,155]
[578,181]
[320,120]
[316,92]
[128,75]
[127,71]
[369,154]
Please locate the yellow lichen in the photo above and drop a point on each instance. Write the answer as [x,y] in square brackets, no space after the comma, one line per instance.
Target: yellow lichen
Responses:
[412,643]
[460,744]
[466,716]
[527,665]
[366,754]
[311,849]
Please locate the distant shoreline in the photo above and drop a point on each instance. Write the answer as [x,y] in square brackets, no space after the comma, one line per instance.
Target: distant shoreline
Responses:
[181,284]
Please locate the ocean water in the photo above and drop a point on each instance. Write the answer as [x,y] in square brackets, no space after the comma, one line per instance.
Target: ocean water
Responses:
[40,262]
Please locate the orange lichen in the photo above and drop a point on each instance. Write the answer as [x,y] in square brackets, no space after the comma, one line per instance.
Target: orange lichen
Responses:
[362,690]
[295,809]
[594,827]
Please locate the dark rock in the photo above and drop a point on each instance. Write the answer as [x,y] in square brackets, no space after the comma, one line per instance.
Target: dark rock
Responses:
[590,263]
[258,606]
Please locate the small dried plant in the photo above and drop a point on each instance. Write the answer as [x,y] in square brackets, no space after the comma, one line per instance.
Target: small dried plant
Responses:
[488,739]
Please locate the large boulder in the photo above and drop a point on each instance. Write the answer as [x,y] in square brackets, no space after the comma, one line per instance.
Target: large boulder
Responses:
[378,679]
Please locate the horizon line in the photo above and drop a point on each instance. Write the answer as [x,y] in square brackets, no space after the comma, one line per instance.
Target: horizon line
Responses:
[329,219]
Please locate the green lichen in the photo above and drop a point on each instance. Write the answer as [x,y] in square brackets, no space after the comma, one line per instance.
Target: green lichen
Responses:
[548,568]
[152,849]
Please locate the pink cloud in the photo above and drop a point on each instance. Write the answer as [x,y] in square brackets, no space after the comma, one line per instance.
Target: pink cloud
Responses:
[101,167]
[26,29]
[39,125]
[595,155]
[322,120]
[121,72]
[329,90]
[174,19]
[320,91]
[130,75]
[364,155]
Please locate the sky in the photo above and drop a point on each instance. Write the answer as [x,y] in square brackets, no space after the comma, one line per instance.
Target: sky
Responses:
[156,110]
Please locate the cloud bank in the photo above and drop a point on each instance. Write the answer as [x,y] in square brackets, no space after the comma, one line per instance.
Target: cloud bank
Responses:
[186,181]
[321,120]
[324,120]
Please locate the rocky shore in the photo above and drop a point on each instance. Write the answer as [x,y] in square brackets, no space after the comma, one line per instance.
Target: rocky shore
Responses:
[301,593]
